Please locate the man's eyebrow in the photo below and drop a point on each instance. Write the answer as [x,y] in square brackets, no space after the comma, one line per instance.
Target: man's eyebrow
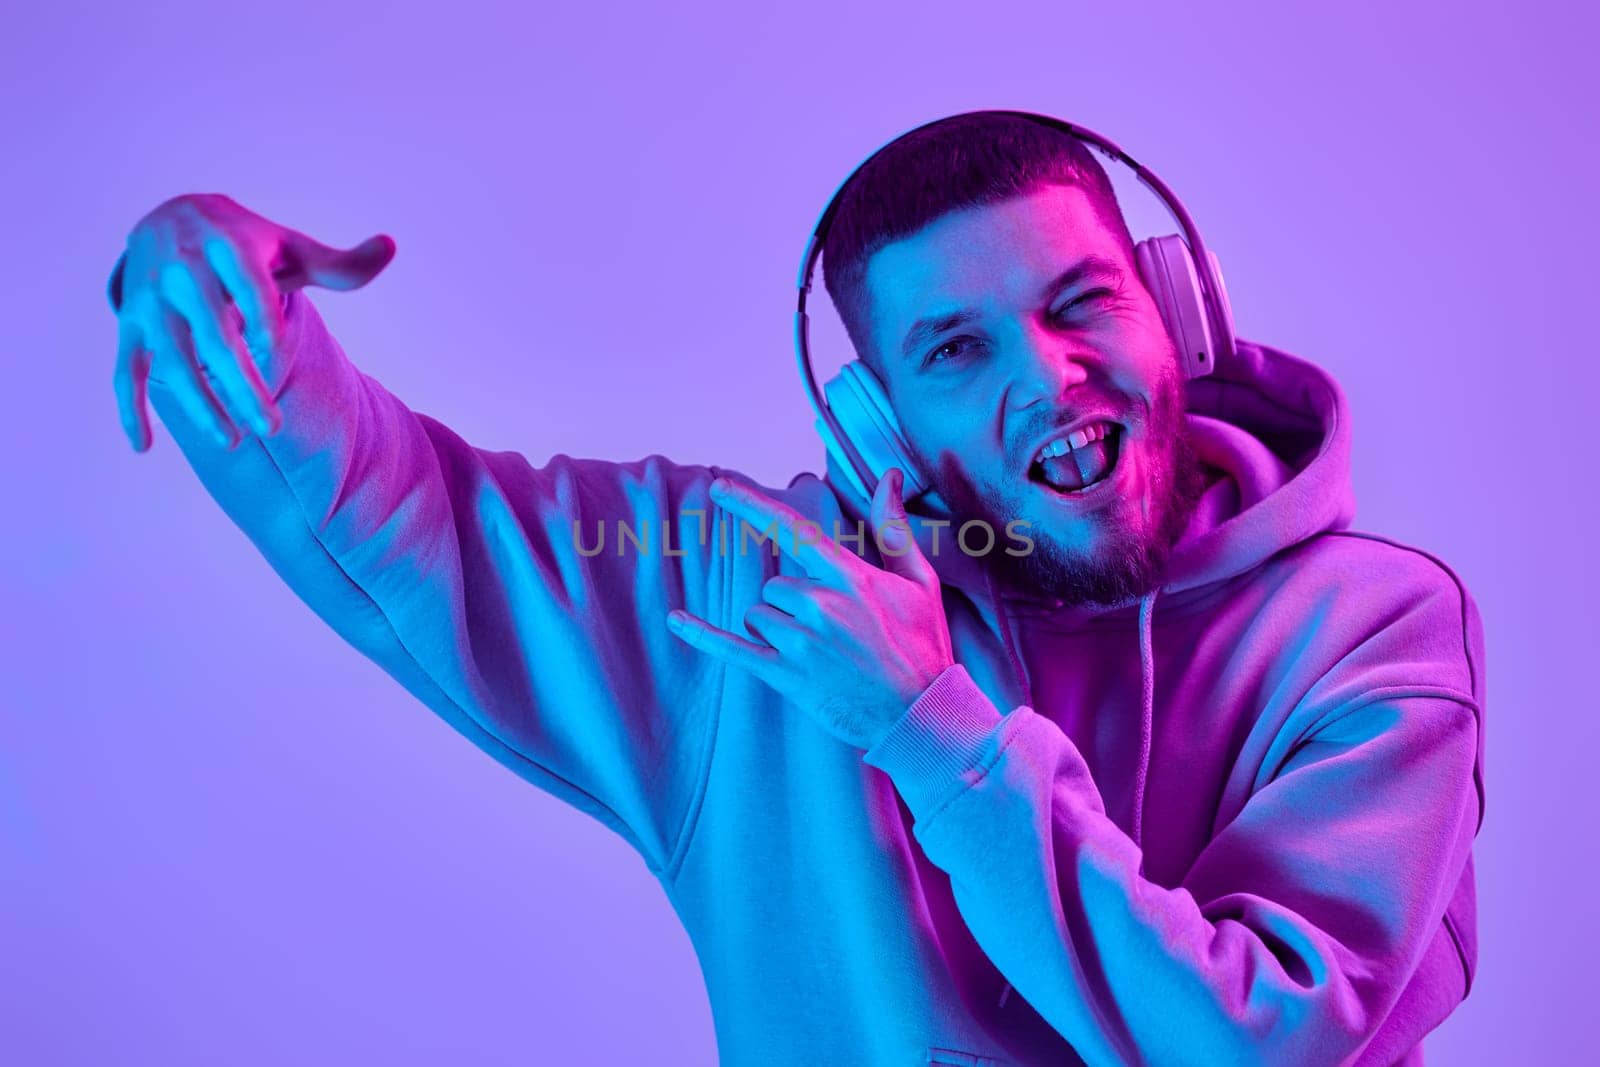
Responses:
[1091,266]
[928,328]
[925,328]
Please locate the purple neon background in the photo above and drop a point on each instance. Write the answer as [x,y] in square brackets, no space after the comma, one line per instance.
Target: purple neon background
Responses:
[225,837]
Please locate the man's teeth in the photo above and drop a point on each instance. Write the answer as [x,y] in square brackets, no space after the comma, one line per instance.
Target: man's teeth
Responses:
[1077,439]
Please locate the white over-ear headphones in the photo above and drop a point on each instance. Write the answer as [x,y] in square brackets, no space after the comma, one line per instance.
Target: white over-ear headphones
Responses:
[856,421]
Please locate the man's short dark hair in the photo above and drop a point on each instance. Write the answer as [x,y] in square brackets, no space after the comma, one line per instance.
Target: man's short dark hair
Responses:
[960,162]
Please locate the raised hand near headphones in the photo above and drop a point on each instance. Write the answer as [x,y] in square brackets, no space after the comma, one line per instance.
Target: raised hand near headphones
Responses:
[198,295]
[851,643]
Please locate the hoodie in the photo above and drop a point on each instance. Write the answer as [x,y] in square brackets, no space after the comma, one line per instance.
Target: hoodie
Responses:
[1229,822]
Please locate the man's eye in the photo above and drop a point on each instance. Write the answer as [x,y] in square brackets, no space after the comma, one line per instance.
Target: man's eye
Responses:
[949,350]
[1093,295]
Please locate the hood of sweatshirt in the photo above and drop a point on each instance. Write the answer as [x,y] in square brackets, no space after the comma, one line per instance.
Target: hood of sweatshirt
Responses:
[1272,432]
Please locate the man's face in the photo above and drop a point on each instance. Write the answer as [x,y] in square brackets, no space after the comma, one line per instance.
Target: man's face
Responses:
[1047,328]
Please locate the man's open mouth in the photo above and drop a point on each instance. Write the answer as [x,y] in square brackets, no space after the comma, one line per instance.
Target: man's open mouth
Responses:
[1075,462]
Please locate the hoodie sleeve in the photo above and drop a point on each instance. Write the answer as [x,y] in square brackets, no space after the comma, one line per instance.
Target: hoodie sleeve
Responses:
[474,580]
[1295,931]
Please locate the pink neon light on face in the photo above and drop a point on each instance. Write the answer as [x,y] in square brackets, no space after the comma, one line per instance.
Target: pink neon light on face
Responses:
[978,399]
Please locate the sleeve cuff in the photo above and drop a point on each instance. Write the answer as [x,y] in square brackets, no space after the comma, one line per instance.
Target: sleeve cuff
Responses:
[938,744]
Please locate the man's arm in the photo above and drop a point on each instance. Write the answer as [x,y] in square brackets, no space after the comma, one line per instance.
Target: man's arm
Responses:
[1296,930]
[461,572]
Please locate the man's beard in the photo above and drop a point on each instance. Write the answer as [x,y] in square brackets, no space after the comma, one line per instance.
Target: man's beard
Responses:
[1126,563]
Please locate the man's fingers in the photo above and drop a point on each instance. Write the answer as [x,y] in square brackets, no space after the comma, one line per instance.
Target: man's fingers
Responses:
[777,628]
[760,660]
[187,378]
[249,285]
[198,297]
[130,381]
[796,597]
[901,553]
[314,263]
[801,538]
[114,283]
[242,376]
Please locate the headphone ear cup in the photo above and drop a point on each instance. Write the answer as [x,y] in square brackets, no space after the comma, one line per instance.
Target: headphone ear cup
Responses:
[1227,311]
[861,408]
[842,403]
[1168,272]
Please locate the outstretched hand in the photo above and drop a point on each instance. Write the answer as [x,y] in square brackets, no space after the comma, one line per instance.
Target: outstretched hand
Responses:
[198,296]
[851,644]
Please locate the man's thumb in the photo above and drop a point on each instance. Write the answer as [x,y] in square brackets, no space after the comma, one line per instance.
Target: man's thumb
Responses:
[340,268]
[893,529]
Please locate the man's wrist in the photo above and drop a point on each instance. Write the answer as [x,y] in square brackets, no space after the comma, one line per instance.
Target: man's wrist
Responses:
[947,731]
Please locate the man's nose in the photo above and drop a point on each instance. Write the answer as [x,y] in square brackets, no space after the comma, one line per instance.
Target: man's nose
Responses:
[1047,368]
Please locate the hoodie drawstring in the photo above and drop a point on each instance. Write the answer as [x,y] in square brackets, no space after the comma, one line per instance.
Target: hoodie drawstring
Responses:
[1147,690]
[1017,670]
[1147,715]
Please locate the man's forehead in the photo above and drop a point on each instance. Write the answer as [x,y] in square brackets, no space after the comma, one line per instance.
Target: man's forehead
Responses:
[1000,251]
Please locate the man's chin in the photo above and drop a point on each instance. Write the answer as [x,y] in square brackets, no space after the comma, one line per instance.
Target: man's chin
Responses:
[1083,560]
[1107,549]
